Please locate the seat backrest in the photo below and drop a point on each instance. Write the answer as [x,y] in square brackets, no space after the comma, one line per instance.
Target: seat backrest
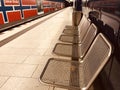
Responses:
[95,59]
[84,28]
[82,21]
[88,39]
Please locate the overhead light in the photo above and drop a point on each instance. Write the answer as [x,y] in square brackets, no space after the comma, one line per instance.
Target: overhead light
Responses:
[68,0]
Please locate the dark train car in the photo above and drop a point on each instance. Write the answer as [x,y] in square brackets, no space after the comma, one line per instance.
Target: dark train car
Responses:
[106,14]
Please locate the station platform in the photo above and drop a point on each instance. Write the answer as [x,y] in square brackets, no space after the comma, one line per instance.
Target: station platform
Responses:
[25,49]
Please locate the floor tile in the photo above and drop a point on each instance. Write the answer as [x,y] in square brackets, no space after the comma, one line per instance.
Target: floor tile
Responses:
[3,80]
[16,51]
[36,59]
[39,51]
[19,70]
[41,66]
[12,58]
[23,84]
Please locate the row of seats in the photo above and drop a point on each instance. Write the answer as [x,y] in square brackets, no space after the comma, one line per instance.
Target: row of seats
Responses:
[89,52]
[82,39]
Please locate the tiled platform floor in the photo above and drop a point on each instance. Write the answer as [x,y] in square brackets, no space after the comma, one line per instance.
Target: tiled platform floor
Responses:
[22,59]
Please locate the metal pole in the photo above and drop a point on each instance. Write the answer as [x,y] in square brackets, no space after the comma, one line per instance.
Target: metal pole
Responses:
[77,12]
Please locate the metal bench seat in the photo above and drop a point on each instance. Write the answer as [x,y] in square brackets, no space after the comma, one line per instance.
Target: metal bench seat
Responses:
[69,38]
[84,24]
[65,50]
[78,74]
[76,39]
[77,50]
[71,32]
[70,27]
[76,17]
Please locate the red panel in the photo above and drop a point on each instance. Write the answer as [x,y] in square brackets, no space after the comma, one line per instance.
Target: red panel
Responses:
[45,3]
[30,13]
[14,16]
[15,2]
[11,2]
[28,2]
[8,2]
[1,19]
[46,10]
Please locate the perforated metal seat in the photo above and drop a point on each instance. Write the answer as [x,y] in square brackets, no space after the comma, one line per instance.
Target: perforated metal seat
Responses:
[65,50]
[72,38]
[84,24]
[69,39]
[70,27]
[70,50]
[79,15]
[78,74]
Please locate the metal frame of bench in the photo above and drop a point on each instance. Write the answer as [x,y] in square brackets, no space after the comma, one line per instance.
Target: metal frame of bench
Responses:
[75,39]
[77,50]
[84,24]
[72,26]
[78,74]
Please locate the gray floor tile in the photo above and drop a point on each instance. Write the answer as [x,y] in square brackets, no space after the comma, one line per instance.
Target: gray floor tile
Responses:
[23,84]
[12,58]
[18,70]
[3,79]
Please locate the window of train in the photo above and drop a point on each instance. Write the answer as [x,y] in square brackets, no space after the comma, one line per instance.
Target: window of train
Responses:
[39,6]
